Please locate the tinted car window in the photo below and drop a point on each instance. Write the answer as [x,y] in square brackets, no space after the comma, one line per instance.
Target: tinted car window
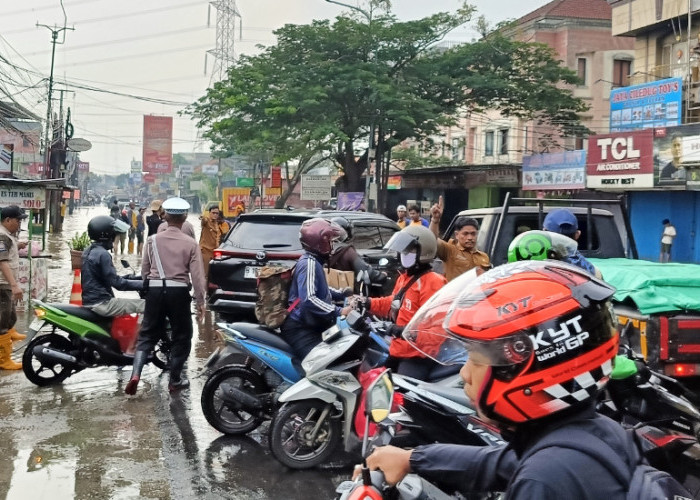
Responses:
[367,237]
[261,235]
[386,234]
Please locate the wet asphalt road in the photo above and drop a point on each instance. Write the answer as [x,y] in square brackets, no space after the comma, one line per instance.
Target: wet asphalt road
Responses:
[84,439]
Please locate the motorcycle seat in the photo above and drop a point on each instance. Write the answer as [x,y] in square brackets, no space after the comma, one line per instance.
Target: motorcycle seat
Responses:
[263,334]
[86,314]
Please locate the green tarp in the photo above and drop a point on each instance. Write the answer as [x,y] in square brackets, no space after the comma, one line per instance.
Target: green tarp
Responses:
[654,287]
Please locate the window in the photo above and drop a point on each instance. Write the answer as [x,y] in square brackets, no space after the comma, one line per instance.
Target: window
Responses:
[366,237]
[579,143]
[621,72]
[457,149]
[488,144]
[582,70]
[503,141]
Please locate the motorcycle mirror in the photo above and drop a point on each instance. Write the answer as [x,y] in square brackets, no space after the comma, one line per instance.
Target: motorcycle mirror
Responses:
[380,396]
[125,264]
[353,319]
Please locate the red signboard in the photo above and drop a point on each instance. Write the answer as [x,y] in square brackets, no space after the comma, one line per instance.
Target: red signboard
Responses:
[83,166]
[621,161]
[276,177]
[148,178]
[157,144]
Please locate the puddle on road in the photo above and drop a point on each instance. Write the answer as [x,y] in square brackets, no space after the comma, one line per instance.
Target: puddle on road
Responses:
[37,475]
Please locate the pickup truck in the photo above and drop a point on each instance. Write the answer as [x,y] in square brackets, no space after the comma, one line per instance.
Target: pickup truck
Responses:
[663,313]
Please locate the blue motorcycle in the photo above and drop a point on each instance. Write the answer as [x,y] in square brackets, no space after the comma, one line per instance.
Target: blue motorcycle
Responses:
[257,366]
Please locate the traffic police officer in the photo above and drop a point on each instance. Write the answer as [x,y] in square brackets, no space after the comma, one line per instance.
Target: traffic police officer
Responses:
[170,258]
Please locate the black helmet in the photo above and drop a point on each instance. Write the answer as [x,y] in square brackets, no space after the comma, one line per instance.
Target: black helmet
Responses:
[346,225]
[102,228]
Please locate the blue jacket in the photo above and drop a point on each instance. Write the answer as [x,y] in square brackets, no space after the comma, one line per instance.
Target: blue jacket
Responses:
[99,276]
[315,307]
[549,474]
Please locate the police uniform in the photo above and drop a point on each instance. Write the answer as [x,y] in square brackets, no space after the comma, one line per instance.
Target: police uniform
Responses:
[169,260]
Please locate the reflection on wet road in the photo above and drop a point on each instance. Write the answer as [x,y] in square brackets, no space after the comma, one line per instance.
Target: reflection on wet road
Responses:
[85,439]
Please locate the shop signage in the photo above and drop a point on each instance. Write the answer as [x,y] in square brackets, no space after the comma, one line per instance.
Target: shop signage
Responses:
[554,171]
[315,187]
[620,162]
[157,144]
[25,197]
[654,104]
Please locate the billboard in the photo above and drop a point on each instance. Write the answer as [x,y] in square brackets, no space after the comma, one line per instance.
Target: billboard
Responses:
[677,157]
[621,161]
[157,144]
[655,104]
[565,170]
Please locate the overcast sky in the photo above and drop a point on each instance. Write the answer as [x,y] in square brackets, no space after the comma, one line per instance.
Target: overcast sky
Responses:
[155,49]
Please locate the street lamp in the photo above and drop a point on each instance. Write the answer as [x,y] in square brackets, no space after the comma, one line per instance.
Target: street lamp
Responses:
[368,16]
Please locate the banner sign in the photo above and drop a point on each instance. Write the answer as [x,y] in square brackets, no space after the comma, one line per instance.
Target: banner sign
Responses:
[677,159]
[315,187]
[136,166]
[393,182]
[351,201]
[149,178]
[276,177]
[565,170]
[210,169]
[621,161]
[25,197]
[6,158]
[157,144]
[83,166]
[655,104]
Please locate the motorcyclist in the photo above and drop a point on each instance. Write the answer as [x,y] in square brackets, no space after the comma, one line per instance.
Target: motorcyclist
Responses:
[311,300]
[416,246]
[564,222]
[540,339]
[99,275]
[344,256]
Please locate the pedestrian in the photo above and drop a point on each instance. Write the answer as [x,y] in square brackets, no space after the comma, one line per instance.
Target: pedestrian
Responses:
[562,221]
[534,370]
[210,237]
[414,218]
[114,210]
[132,218]
[416,246]
[140,228]
[154,220]
[311,300]
[172,264]
[10,292]
[402,219]
[460,254]
[667,240]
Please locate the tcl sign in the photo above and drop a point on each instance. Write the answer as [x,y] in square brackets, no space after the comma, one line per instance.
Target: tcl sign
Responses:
[620,148]
[621,161]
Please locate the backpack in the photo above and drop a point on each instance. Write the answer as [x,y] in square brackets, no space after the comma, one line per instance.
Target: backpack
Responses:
[643,483]
[272,306]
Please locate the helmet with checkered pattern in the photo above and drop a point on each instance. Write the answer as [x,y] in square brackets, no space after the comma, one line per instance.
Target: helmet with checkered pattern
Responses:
[545,329]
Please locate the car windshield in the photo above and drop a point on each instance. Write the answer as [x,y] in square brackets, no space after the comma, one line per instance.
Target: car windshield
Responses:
[261,235]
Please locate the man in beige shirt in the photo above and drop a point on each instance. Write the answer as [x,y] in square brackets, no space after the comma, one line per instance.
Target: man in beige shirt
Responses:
[460,254]
[170,259]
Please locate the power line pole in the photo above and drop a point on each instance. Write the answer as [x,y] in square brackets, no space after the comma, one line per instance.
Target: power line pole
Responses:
[55,198]
[224,54]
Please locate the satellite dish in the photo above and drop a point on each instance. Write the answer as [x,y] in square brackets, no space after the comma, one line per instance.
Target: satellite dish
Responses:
[78,144]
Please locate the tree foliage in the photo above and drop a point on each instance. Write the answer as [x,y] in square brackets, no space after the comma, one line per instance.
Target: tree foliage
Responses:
[323,86]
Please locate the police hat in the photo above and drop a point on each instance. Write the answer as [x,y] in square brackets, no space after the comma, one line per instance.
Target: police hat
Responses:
[176,206]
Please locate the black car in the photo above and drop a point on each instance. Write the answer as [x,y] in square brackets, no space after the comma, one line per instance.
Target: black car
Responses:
[272,237]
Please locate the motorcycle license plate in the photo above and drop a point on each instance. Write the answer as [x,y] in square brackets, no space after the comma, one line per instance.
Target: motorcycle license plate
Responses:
[35,326]
[251,272]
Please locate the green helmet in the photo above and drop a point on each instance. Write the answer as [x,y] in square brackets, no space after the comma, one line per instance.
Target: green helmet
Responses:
[541,245]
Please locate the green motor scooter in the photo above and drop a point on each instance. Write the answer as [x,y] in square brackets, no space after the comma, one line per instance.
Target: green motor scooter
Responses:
[86,340]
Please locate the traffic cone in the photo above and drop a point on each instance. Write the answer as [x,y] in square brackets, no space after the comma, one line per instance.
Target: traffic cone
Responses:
[76,293]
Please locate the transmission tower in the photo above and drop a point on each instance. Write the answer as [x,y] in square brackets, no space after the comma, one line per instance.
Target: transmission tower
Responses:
[226,15]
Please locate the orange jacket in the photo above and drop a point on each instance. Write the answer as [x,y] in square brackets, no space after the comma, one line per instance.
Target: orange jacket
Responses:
[417,295]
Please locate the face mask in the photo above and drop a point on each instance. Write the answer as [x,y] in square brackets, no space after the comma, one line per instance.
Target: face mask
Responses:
[408,260]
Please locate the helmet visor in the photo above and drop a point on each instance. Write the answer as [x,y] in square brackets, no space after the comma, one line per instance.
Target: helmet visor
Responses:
[120,226]
[402,242]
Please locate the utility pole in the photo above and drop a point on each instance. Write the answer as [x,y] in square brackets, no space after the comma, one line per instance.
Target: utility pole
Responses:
[54,197]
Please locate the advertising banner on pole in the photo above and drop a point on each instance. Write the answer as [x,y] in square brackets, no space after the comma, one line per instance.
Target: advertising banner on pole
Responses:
[654,104]
[25,197]
[83,166]
[157,144]
[276,177]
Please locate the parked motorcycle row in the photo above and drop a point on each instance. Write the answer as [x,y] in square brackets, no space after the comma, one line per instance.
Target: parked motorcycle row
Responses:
[340,397]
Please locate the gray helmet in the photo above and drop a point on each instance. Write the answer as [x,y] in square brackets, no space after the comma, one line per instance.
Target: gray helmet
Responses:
[418,239]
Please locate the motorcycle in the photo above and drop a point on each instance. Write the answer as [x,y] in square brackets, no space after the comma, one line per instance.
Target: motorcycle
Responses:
[92,340]
[370,485]
[319,410]
[238,397]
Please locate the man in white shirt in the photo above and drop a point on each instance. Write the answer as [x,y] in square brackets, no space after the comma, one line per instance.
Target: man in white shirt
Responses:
[667,240]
